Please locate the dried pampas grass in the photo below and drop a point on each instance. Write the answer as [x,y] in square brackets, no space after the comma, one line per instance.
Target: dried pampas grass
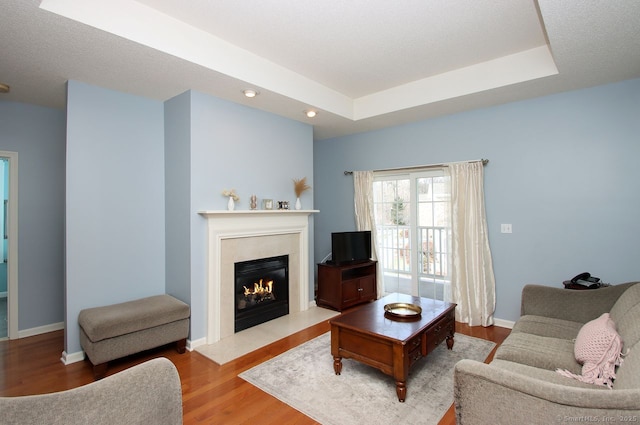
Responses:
[300,186]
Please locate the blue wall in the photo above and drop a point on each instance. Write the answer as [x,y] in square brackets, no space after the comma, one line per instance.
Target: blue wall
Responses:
[563,170]
[177,165]
[37,134]
[137,172]
[255,152]
[115,200]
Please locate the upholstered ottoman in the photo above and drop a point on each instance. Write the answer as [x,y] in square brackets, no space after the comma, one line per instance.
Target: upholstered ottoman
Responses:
[114,331]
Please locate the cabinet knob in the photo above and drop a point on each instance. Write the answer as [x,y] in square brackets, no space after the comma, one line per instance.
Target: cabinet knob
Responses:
[360,289]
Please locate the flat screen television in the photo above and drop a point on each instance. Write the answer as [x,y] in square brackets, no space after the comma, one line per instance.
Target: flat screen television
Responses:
[350,247]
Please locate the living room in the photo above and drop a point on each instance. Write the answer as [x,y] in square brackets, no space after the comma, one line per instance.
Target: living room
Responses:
[111,184]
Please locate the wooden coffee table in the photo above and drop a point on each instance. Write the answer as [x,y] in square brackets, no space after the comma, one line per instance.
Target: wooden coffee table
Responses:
[369,336]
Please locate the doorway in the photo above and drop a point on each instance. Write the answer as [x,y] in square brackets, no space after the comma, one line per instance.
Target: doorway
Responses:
[8,245]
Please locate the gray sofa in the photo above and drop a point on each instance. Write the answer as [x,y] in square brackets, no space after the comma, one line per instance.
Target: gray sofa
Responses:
[149,393]
[521,384]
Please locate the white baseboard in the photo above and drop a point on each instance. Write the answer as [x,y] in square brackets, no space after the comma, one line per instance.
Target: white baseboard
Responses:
[192,345]
[503,323]
[67,359]
[40,330]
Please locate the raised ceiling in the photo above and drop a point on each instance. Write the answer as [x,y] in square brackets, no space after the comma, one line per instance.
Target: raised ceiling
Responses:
[363,64]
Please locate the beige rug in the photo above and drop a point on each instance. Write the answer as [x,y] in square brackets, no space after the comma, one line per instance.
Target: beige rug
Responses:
[303,377]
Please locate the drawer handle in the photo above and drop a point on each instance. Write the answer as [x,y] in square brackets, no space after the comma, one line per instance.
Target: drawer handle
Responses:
[360,289]
[438,329]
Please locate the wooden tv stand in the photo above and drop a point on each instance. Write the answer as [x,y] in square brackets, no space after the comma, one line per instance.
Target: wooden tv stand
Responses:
[341,286]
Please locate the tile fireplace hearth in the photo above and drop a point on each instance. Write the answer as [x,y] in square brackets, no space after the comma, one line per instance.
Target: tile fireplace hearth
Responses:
[253,338]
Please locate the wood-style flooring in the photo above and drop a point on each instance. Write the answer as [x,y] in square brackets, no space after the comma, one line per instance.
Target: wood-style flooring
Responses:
[212,394]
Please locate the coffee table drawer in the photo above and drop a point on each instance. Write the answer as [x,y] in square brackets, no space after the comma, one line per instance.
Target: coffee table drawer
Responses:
[437,333]
[414,347]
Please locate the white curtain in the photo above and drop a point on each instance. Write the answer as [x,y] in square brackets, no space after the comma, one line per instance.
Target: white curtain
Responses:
[472,279]
[365,220]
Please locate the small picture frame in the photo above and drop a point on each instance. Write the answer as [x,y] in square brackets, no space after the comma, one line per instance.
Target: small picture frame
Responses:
[267,204]
[283,205]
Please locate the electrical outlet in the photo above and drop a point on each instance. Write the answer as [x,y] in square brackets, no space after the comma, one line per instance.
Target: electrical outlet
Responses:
[505,228]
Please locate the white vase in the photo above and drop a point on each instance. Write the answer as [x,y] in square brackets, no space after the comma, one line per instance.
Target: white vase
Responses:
[231,205]
[298,204]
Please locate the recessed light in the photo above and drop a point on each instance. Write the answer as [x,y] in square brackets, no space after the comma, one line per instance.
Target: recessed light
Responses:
[250,92]
[4,88]
[311,113]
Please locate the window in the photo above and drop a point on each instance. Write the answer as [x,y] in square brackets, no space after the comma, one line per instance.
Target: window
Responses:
[413,225]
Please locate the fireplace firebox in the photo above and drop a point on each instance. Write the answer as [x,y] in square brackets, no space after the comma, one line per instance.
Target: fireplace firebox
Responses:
[261,291]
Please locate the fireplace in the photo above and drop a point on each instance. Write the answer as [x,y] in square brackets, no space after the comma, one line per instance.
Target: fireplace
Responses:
[261,291]
[236,236]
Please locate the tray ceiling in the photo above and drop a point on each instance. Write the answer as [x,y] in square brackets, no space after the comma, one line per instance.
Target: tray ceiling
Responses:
[362,64]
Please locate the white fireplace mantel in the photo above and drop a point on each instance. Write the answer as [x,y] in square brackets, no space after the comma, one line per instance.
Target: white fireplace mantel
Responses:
[209,213]
[228,230]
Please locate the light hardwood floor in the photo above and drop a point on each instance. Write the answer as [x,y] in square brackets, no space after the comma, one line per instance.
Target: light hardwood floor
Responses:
[212,394]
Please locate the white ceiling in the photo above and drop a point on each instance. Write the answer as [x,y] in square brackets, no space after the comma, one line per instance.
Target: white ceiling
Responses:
[363,64]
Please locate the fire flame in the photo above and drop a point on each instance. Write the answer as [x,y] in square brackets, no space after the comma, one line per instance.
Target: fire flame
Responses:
[259,288]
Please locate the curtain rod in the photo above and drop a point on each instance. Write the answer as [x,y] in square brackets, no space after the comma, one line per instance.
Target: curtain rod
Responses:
[414,167]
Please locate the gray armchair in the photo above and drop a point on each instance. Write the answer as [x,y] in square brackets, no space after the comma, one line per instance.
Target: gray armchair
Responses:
[149,393]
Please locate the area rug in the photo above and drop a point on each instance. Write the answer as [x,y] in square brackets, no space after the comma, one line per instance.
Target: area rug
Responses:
[303,378]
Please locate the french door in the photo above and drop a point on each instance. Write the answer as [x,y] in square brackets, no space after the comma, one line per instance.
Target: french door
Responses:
[413,225]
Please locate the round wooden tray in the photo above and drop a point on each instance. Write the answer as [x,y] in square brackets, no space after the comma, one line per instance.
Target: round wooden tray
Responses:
[402,310]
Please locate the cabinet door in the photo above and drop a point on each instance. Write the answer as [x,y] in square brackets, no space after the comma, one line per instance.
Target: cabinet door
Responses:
[368,287]
[350,291]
